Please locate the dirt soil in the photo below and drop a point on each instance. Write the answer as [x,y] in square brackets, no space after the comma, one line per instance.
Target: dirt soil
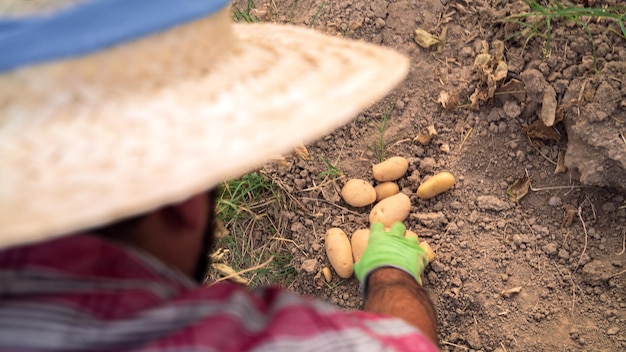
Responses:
[562,243]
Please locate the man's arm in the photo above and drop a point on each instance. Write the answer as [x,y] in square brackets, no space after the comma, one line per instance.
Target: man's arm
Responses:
[393,292]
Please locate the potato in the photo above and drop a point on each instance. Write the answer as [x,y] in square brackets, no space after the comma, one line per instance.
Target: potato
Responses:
[390,169]
[425,246]
[359,241]
[435,185]
[428,250]
[411,234]
[391,209]
[328,276]
[339,252]
[385,190]
[358,193]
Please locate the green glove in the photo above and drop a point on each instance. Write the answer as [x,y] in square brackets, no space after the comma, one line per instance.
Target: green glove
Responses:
[390,249]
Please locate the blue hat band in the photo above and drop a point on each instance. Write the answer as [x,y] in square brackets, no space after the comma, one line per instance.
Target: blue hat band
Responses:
[93,26]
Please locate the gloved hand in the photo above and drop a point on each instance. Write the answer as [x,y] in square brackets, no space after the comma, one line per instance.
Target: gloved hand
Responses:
[390,249]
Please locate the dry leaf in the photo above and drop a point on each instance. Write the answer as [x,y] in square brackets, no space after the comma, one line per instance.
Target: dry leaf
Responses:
[570,214]
[537,130]
[443,99]
[226,270]
[518,189]
[423,138]
[560,163]
[425,39]
[431,130]
[514,88]
[302,152]
[502,69]
[511,291]
[498,50]
[482,60]
[318,280]
[548,106]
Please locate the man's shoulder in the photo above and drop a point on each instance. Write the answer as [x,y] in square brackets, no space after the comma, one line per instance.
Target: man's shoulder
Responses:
[282,320]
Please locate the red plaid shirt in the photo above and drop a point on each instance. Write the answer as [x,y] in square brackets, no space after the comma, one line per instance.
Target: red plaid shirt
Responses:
[80,293]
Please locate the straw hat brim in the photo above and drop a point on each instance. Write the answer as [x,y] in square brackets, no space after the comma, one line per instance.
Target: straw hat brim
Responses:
[280,86]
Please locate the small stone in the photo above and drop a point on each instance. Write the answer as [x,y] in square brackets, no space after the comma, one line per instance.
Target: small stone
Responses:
[437,267]
[379,23]
[512,109]
[612,331]
[427,165]
[492,203]
[563,254]
[310,266]
[430,220]
[432,277]
[473,339]
[555,202]
[608,207]
[517,239]
[355,24]
[596,272]
[399,104]
[550,248]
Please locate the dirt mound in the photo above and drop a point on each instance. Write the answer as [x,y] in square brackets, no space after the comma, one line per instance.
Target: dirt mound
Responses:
[595,116]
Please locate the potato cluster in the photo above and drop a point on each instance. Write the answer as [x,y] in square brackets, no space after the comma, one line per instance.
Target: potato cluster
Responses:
[392,206]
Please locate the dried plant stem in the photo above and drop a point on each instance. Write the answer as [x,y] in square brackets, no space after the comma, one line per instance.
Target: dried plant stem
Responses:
[623,243]
[580,217]
[616,274]
[465,138]
[454,344]
[262,265]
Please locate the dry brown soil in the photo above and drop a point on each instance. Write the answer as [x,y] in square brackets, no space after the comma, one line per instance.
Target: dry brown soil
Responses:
[571,271]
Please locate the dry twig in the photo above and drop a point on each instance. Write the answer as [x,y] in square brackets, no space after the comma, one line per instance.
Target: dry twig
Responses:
[262,265]
[623,243]
[465,138]
[580,217]
[454,344]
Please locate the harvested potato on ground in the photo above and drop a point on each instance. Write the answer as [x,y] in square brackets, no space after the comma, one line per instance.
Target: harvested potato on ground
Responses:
[328,276]
[435,185]
[390,169]
[386,189]
[391,209]
[423,244]
[411,234]
[339,252]
[359,241]
[358,193]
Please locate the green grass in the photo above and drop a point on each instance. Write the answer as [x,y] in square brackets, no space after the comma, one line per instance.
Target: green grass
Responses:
[319,10]
[331,171]
[379,147]
[552,11]
[244,15]
[238,197]
[248,206]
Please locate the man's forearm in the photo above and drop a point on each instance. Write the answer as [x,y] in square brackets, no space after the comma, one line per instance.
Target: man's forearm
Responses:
[393,292]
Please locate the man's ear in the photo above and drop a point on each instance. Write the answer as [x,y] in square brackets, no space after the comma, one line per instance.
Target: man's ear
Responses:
[191,213]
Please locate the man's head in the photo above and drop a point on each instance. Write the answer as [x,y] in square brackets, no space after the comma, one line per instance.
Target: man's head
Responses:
[112,108]
[180,235]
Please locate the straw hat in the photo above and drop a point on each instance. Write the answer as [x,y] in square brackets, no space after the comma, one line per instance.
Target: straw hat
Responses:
[111,108]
